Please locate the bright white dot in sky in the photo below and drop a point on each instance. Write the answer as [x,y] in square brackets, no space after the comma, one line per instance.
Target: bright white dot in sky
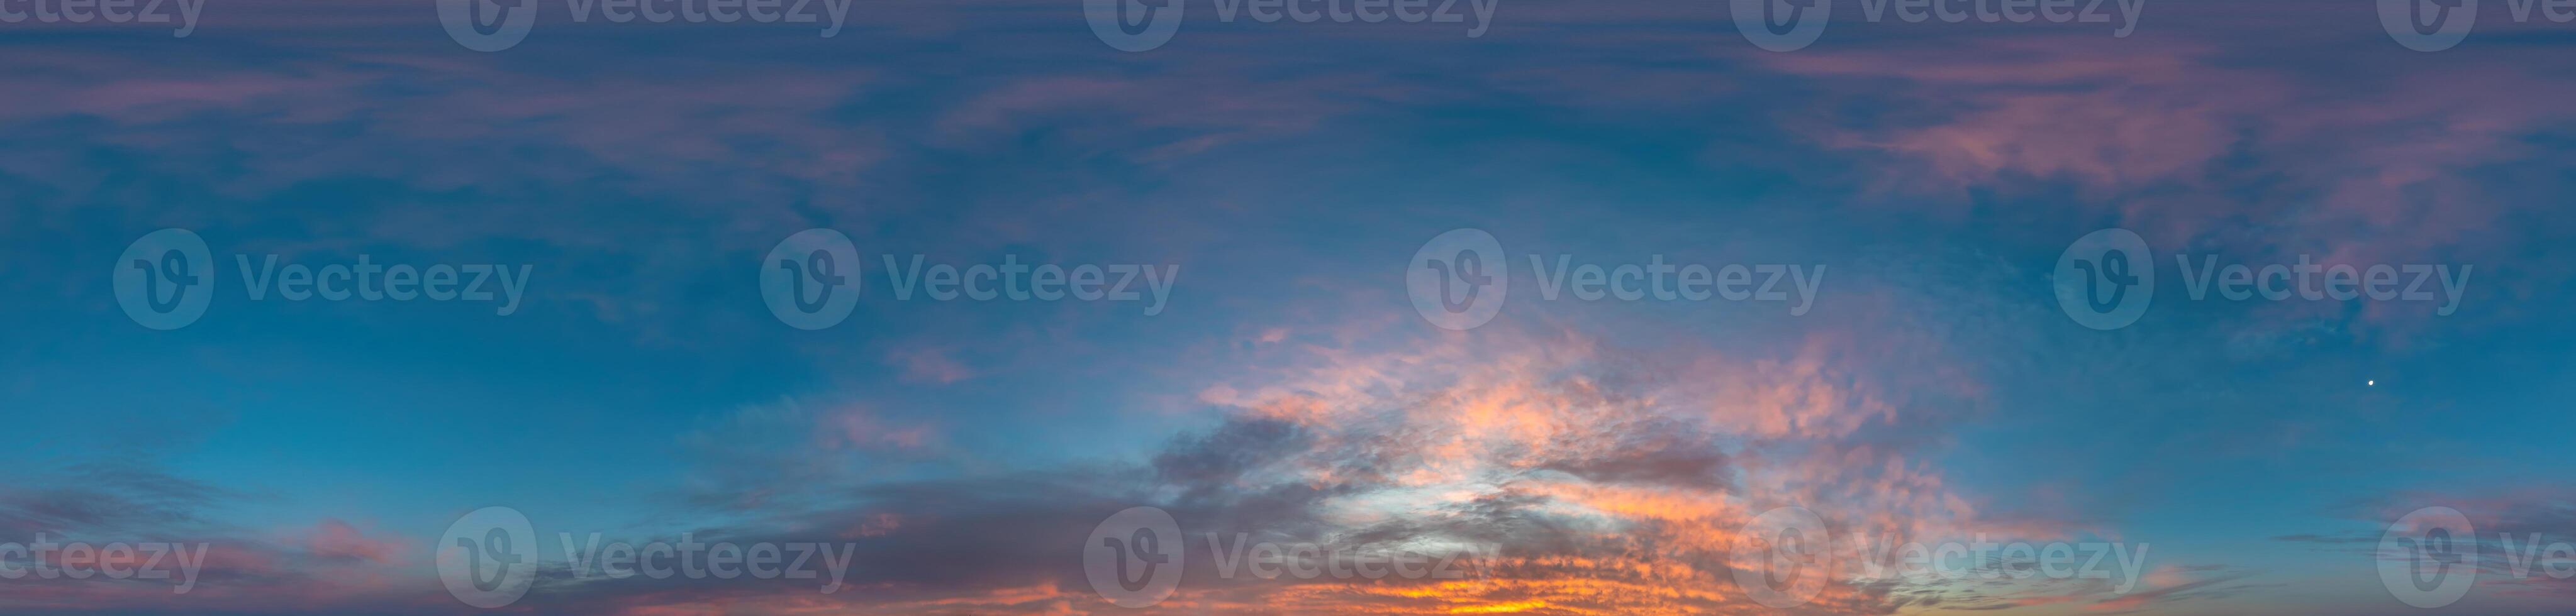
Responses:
[2372,383]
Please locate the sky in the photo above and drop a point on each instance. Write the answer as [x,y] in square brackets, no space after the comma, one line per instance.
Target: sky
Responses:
[1002,306]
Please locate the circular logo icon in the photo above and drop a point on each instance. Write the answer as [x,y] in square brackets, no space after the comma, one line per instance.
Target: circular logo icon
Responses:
[1784,557]
[811,279]
[486,558]
[2106,279]
[466,19]
[165,279]
[1781,25]
[1111,20]
[1134,557]
[1458,279]
[2429,558]
[2428,25]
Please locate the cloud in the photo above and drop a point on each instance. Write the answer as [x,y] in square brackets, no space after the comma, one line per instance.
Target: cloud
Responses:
[330,567]
[1573,483]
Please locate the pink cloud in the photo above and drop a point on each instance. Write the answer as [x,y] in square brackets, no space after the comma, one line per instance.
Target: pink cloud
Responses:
[336,539]
[928,365]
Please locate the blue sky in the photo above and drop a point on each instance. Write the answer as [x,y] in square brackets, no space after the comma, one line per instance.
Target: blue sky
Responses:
[1614,453]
